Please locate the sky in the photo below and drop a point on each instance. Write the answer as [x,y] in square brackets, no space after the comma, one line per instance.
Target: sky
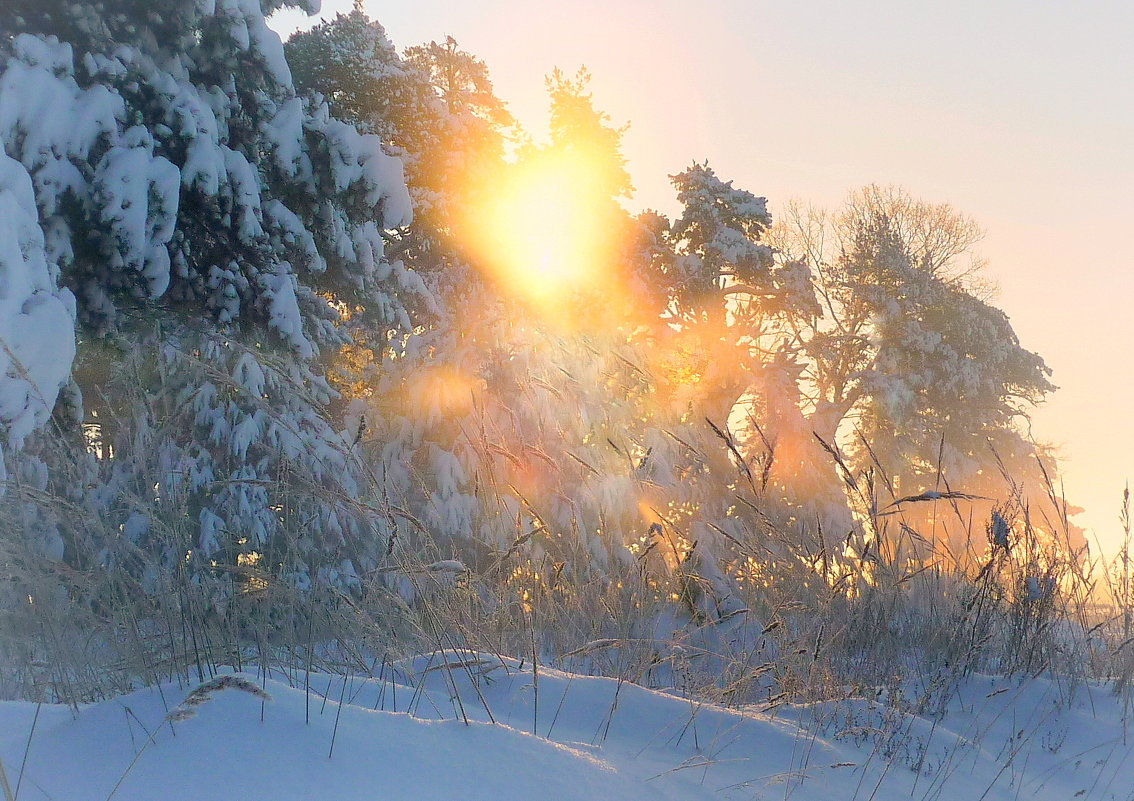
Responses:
[1019,113]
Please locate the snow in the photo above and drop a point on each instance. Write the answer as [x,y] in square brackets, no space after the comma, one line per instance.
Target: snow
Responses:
[37,339]
[285,315]
[359,157]
[447,566]
[137,196]
[42,105]
[556,735]
[211,526]
[246,193]
[285,132]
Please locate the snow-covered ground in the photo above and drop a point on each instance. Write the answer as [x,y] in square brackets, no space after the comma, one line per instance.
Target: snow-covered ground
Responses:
[561,736]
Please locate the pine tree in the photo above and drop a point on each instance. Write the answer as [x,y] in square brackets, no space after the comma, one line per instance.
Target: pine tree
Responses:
[216,228]
[434,108]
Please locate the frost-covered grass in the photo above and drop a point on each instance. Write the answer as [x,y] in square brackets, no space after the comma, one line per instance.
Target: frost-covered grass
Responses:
[767,619]
[474,726]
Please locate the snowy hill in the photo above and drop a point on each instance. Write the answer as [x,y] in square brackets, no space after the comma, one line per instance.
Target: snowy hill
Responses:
[595,739]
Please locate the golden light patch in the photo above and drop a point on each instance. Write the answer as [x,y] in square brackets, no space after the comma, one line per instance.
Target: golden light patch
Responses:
[441,389]
[648,512]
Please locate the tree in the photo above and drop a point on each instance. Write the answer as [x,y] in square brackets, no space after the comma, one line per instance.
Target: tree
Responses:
[577,126]
[435,108]
[213,226]
[734,315]
[911,368]
[462,81]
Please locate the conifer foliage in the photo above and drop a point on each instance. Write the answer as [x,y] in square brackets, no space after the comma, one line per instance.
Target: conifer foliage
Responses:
[214,227]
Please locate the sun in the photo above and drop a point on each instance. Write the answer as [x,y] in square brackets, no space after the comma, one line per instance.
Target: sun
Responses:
[545,232]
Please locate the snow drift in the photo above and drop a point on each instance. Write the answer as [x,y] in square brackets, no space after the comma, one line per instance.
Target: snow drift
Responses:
[404,735]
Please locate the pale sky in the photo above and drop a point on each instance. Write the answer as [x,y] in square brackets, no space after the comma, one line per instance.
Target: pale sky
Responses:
[1018,112]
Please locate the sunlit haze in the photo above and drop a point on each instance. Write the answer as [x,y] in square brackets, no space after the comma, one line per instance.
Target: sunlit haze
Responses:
[1020,114]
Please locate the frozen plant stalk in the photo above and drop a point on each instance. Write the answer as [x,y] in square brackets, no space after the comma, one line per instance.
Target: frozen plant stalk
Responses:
[203,694]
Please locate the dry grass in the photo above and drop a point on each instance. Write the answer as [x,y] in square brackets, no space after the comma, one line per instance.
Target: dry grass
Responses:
[205,693]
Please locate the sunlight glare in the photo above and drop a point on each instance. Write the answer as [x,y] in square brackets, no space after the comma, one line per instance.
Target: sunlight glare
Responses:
[544,234]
